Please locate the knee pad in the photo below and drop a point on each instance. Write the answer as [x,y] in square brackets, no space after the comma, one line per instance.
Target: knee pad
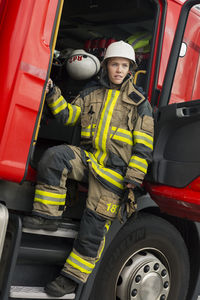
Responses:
[53,162]
[92,231]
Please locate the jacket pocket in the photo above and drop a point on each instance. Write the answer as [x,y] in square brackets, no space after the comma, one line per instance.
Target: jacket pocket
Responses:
[85,120]
[108,207]
[147,124]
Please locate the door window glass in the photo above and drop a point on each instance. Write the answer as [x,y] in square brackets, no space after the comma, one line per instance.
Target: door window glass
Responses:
[187,77]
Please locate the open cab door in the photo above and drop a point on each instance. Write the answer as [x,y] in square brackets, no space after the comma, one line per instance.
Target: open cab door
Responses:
[175,174]
[28,31]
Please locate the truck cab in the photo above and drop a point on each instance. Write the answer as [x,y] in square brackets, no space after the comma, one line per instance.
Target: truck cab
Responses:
[155,253]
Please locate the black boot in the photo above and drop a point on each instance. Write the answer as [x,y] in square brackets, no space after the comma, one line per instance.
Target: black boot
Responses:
[60,286]
[36,222]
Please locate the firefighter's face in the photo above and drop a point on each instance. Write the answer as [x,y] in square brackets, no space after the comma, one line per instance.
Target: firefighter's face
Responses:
[118,68]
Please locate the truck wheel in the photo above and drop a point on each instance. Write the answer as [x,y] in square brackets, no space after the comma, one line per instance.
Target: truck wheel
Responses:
[147,260]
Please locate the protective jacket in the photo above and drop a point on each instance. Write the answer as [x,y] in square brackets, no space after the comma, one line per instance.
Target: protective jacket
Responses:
[116,130]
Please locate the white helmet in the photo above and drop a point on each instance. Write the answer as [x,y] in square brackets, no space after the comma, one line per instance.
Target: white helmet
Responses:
[82,65]
[120,49]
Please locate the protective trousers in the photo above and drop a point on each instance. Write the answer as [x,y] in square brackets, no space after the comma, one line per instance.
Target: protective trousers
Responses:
[57,164]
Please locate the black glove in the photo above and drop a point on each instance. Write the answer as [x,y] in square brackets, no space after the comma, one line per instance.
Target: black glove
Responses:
[128,206]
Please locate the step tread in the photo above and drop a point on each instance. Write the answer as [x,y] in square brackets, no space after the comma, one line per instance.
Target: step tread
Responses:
[61,232]
[32,292]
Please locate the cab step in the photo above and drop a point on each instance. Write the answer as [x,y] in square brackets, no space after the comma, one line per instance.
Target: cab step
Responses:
[65,230]
[30,292]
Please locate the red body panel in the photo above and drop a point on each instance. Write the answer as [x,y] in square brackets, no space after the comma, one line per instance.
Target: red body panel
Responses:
[25,45]
[180,202]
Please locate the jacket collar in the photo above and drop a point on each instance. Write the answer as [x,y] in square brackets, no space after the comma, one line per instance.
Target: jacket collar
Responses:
[130,95]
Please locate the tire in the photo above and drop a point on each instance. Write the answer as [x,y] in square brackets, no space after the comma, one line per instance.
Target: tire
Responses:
[147,260]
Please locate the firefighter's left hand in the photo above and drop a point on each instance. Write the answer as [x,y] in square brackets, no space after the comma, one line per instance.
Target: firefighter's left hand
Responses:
[49,85]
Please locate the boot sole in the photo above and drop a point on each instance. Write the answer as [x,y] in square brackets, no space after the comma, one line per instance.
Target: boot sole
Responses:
[56,294]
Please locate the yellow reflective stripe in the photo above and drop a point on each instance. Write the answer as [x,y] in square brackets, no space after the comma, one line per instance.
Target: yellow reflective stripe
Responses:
[49,202]
[142,134]
[55,103]
[97,140]
[103,127]
[81,260]
[140,141]
[74,113]
[76,266]
[77,115]
[107,225]
[57,110]
[122,130]
[107,125]
[143,138]
[79,263]
[123,135]
[139,159]
[49,194]
[108,174]
[138,163]
[86,131]
[93,129]
[58,105]
[122,139]
[49,197]
[135,165]
[100,253]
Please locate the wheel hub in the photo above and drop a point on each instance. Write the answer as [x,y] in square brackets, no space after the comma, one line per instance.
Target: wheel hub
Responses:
[143,277]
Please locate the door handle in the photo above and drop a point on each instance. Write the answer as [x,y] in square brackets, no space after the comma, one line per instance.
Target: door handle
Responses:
[187,111]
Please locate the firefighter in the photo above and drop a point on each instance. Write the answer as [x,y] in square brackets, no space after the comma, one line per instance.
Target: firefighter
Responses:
[115,150]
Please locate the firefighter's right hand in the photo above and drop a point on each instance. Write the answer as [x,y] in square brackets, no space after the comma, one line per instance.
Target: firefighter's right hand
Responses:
[49,85]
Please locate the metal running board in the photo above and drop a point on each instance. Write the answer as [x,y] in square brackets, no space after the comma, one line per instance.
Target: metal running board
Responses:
[30,292]
[3,225]
[61,232]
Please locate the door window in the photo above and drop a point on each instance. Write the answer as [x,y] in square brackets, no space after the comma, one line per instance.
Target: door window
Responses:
[187,77]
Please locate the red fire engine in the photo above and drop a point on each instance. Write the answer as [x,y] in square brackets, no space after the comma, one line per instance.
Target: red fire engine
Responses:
[155,254]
